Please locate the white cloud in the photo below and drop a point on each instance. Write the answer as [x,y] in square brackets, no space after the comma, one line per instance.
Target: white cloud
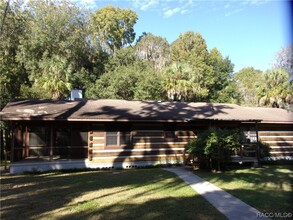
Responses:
[171,12]
[235,6]
[183,11]
[234,12]
[86,3]
[167,8]
[146,4]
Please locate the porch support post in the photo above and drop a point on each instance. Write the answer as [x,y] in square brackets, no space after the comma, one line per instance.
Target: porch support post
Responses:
[26,142]
[257,145]
[13,131]
[51,143]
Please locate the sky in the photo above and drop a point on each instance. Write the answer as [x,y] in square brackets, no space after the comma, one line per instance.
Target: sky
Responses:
[249,32]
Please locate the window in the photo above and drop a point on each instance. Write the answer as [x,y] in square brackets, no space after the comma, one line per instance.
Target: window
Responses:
[124,138]
[117,138]
[170,135]
[112,138]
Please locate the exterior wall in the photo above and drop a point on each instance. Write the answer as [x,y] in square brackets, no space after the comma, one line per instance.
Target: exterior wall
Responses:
[150,144]
[280,139]
[147,147]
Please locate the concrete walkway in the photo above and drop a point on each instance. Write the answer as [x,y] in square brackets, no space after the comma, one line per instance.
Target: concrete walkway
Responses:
[227,204]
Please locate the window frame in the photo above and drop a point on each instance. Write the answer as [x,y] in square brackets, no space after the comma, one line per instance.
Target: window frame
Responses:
[118,137]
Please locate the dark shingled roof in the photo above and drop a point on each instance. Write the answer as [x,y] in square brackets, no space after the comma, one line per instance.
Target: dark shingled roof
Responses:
[122,110]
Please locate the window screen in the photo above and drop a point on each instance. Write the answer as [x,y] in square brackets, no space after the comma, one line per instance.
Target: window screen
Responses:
[62,137]
[111,138]
[37,136]
[79,138]
[38,141]
[124,138]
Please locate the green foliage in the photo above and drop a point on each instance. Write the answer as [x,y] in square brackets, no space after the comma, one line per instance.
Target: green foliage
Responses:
[264,149]
[149,87]
[277,90]
[191,48]
[118,84]
[49,47]
[249,81]
[123,57]
[181,84]
[214,146]
[270,88]
[224,88]
[228,94]
[56,75]
[114,27]
[127,82]
[12,73]
[35,92]
[56,29]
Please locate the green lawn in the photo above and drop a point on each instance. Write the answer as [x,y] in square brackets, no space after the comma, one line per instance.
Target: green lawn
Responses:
[268,189]
[128,194]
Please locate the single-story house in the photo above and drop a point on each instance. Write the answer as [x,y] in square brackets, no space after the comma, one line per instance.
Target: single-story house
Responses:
[104,133]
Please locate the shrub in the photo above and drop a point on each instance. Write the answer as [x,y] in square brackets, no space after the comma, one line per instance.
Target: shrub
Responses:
[264,149]
[214,147]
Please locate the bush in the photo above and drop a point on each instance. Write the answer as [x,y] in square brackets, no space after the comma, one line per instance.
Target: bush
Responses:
[213,147]
[264,149]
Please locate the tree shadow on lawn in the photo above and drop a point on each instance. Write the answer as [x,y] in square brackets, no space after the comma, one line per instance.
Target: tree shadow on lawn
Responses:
[268,188]
[267,176]
[31,196]
[266,201]
[164,208]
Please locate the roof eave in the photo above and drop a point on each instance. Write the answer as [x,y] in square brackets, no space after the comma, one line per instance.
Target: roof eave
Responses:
[34,118]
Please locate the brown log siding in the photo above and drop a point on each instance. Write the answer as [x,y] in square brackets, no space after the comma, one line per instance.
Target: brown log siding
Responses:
[280,142]
[146,145]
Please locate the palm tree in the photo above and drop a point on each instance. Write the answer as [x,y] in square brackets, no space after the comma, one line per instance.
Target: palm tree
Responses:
[183,83]
[177,81]
[277,90]
[55,78]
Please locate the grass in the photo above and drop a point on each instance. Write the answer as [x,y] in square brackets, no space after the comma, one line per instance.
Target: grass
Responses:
[128,194]
[268,189]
